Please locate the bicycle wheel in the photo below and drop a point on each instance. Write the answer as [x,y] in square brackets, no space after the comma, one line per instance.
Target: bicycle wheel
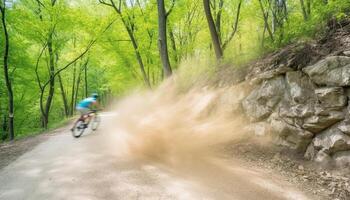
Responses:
[78,129]
[95,122]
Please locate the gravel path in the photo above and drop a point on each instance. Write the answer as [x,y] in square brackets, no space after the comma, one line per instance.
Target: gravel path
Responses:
[93,167]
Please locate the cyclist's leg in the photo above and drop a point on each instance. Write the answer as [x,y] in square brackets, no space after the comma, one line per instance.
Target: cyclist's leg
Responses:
[88,115]
[83,113]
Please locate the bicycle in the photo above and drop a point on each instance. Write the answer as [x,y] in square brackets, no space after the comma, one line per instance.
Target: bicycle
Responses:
[80,125]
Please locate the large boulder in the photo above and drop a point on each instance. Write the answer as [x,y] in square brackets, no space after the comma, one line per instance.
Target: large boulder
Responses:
[299,99]
[331,97]
[300,87]
[270,74]
[260,103]
[331,71]
[331,141]
[295,114]
[288,135]
[317,123]
[327,148]
[328,110]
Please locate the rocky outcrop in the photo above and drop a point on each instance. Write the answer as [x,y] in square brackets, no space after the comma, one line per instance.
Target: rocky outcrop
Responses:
[262,101]
[331,141]
[305,109]
[300,88]
[331,97]
[331,71]
[300,96]
[317,122]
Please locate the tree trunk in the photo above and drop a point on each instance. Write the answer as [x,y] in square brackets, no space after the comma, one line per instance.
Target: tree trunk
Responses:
[45,112]
[129,26]
[86,79]
[273,16]
[51,83]
[308,7]
[63,92]
[162,38]
[77,87]
[303,8]
[72,104]
[173,45]
[218,20]
[265,16]
[234,26]
[64,97]
[263,37]
[212,29]
[137,52]
[6,74]
[138,57]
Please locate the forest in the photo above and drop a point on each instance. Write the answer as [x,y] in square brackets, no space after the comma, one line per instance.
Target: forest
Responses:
[54,53]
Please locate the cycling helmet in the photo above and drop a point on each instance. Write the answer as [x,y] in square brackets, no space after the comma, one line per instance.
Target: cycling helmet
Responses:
[94,95]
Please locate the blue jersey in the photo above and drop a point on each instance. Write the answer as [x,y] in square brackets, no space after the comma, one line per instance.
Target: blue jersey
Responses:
[86,102]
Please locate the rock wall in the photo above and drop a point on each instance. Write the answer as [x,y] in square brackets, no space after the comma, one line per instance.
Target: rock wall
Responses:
[301,96]
[307,110]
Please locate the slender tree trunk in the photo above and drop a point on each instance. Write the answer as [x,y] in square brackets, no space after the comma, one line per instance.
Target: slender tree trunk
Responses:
[162,38]
[138,55]
[64,97]
[77,87]
[7,78]
[304,10]
[63,92]
[308,7]
[234,26]
[218,20]
[72,104]
[139,59]
[137,52]
[263,37]
[129,26]
[173,45]
[273,16]
[212,29]
[86,79]
[51,83]
[265,16]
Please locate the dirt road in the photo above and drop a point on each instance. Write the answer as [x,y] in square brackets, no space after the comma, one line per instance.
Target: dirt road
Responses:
[93,167]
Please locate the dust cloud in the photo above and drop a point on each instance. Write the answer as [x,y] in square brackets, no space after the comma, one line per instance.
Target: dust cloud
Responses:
[180,131]
[171,125]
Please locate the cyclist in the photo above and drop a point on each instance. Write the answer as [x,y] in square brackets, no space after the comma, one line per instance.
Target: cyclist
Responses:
[84,107]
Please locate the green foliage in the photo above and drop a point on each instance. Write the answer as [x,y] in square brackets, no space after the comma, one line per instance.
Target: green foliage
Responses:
[297,28]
